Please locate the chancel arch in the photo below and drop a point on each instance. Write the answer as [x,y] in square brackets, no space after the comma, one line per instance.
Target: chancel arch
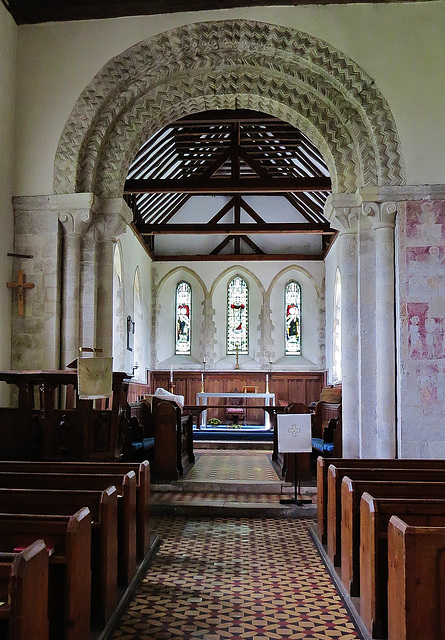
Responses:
[234,64]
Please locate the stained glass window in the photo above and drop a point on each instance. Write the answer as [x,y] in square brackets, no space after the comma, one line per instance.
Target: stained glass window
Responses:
[292,320]
[336,330]
[237,316]
[183,319]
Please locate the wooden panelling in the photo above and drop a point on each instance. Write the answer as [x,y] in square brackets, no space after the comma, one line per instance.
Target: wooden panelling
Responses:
[287,386]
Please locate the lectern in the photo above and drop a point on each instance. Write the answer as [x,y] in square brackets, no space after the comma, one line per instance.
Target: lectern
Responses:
[294,436]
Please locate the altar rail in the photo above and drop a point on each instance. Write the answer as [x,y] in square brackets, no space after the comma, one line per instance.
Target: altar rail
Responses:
[288,386]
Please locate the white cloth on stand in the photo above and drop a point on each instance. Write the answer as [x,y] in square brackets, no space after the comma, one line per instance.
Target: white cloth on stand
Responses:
[94,378]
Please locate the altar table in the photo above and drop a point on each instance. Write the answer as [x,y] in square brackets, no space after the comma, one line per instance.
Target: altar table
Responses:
[202,398]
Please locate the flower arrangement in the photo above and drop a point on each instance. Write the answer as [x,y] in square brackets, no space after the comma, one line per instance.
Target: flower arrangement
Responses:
[214,421]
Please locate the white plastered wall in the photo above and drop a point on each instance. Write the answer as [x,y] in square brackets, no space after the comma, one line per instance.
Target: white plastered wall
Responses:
[8,46]
[401,46]
[331,265]
[262,277]
[134,256]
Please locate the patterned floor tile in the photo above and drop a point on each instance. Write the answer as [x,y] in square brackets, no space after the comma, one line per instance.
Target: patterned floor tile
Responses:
[256,466]
[235,579]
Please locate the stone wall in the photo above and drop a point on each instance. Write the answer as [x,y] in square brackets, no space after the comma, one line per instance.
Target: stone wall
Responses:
[421,327]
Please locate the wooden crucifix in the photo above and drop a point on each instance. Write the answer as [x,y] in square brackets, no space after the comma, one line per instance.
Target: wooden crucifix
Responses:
[20,285]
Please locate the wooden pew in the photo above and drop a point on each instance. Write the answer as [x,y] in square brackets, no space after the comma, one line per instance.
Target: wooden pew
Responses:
[24,592]
[141,469]
[375,514]
[69,587]
[173,434]
[359,463]
[103,508]
[352,491]
[416,575]
[335,477]
[126,504]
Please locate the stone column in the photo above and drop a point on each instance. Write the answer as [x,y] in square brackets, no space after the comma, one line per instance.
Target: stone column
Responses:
[113,217]
[75,216]
[343,211]
[382,215]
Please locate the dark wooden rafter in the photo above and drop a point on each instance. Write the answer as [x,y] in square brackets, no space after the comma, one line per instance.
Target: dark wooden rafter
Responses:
[233,229]
[234,154]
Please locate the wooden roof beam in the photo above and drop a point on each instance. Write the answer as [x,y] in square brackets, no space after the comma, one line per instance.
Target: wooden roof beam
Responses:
[228,186]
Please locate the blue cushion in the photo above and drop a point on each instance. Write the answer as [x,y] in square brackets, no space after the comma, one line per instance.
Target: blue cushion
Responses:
[146,443]
[323,447]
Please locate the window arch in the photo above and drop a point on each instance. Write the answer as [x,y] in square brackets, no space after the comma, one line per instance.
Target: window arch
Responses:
[237,316]
[183,305]
[138,322]
[336,330]
[292,319]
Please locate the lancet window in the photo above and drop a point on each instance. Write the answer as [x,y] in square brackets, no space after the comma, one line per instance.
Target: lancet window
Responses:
[292,319]
[183,339]
[237,317]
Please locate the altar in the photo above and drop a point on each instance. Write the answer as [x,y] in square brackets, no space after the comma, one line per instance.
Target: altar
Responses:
[204,398]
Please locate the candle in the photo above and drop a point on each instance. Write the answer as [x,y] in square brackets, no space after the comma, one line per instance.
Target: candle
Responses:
[267,378]
[171,373]
[202,378]
[204,360]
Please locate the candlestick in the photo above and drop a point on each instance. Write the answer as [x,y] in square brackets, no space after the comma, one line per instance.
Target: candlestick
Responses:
[171,373]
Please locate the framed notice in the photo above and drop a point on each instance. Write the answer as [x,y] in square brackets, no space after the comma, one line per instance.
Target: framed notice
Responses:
[294,433]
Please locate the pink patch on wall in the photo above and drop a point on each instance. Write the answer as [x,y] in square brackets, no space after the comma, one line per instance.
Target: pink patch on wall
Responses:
[417,313]
[425,219]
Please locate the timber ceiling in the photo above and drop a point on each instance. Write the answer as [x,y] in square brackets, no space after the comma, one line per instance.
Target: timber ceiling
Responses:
[36,11]
[259,176]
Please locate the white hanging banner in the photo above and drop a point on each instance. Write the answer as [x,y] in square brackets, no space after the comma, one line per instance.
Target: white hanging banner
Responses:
[294,433]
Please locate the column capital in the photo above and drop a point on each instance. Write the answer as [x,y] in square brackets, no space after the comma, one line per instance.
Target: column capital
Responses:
[381,214]
[343,211]
[113,217]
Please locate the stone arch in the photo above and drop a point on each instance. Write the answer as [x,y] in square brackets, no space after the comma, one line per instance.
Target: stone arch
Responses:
[229,64]
[186,269]
[295,267]
[242,270]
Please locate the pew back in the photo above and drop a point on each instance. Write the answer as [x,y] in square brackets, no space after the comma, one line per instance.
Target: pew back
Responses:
[416,575]
[335,477]
[69,538]
[375,514]
[103,509]
[24,591]
[369,463]
[126,486]
[141,469]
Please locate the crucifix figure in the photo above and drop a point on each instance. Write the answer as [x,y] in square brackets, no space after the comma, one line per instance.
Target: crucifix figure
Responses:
[20,285]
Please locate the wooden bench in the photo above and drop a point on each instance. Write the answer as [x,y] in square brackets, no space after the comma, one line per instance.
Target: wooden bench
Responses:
[352,491]
[69,586]
[375,514]
[126,486]
[358,463]
[141,469]
[416,575]
[103,508]
[173,434]
[335,477]
[24,593]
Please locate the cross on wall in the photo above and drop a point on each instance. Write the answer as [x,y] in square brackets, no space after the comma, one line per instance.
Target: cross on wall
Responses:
[20,285]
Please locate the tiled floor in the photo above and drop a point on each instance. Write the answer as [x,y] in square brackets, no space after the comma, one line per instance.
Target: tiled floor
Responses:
[247,466]
[233,579]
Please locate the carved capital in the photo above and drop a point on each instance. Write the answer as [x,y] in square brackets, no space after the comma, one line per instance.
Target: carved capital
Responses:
[112,219]
[343,212]
[381,214]
[75,222]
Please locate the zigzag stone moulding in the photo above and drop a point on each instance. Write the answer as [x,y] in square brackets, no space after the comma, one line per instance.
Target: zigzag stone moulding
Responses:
[229,64]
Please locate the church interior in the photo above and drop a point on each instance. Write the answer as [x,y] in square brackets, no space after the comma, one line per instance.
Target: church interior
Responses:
[222,343]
